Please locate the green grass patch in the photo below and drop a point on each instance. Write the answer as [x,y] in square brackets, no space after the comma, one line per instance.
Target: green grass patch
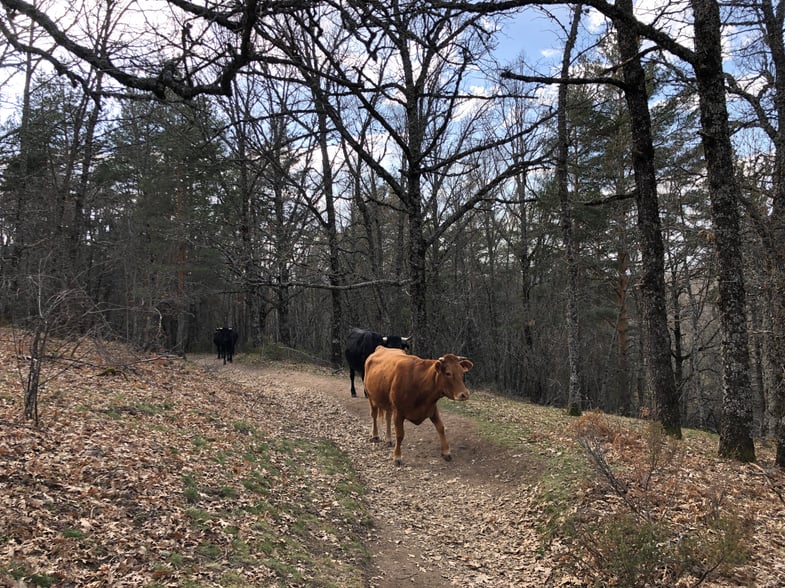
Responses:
[153,409]
[176,559]
[209,550]
[43,580]
[221,457]
[191,494]
[538,435]
[307,502]
[200,442]
[233,580]
[190,490]
[198,517]
[258,481]
[227,492]
[245,428]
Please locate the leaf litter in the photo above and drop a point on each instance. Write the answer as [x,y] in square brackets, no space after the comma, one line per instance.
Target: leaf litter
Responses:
[169,473]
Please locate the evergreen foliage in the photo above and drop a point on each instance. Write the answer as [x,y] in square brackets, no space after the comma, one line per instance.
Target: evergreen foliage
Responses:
[369,169]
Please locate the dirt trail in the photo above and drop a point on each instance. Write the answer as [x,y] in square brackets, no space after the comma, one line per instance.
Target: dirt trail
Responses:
[467,522]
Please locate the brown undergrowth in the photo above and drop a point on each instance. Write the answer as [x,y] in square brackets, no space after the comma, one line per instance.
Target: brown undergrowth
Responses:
[664,512]
[154,471]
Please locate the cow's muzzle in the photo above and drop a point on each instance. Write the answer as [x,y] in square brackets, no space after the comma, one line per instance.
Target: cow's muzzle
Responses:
[462,395]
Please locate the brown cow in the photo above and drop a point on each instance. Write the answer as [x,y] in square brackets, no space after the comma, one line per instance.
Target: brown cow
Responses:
[406,387]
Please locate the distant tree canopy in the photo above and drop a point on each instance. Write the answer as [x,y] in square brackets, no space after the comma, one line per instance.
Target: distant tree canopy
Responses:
[294,169]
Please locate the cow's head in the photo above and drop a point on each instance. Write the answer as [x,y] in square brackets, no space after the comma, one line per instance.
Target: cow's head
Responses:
[396,342]
[451,369]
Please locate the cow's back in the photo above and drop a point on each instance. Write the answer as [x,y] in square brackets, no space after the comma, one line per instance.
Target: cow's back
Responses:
[359,345]
[382,368]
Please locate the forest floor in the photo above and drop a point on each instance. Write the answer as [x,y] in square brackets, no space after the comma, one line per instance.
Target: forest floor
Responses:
[154,471]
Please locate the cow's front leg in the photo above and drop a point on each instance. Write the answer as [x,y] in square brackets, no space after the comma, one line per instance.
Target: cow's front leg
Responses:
[436,419]
[398,439]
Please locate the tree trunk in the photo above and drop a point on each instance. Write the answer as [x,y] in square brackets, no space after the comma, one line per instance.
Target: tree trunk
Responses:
[18,241]
[419,288]
[773,23]
[562,180]
[88,160]
[336,321]
[37,350]
[657,347]
[254,303]
[374,257]
[621,399]
[736,420]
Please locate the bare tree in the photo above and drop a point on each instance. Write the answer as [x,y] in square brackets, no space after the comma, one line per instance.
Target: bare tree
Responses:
[657,343]
[736,425]
[706,62]
[432,51]
[574,403]
[207,45]
[763,90]
[50,331]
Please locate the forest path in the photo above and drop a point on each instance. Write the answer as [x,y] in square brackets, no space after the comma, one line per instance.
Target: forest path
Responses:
[467,522]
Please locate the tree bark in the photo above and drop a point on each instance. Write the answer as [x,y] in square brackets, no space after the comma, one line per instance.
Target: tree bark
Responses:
[330,225]
[772,24]
[657,345]
[562,180]
[736,420]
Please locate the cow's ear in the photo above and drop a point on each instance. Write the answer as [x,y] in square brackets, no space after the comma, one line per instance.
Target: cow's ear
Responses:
[466,364]
[440,364]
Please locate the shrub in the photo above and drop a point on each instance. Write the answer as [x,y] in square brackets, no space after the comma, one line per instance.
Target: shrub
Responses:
[621,547]
[633,539]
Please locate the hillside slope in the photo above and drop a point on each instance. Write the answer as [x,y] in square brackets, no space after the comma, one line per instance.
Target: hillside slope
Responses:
[161,472]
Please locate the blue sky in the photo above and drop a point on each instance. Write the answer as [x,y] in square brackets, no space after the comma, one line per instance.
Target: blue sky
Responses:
[532,34]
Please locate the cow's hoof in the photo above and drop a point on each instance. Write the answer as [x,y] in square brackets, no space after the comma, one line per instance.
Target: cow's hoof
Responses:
[391,444]
[374,439]
[354,394]
[447,457]
[397,461]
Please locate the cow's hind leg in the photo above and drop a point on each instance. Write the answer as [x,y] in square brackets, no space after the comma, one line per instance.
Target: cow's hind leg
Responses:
[398,440]
[436,419]
[374,429]
[351,379]
[388,418]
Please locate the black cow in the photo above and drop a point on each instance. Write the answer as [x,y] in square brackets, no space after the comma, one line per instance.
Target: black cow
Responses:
[225,340]
[361,343]
[217,341]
